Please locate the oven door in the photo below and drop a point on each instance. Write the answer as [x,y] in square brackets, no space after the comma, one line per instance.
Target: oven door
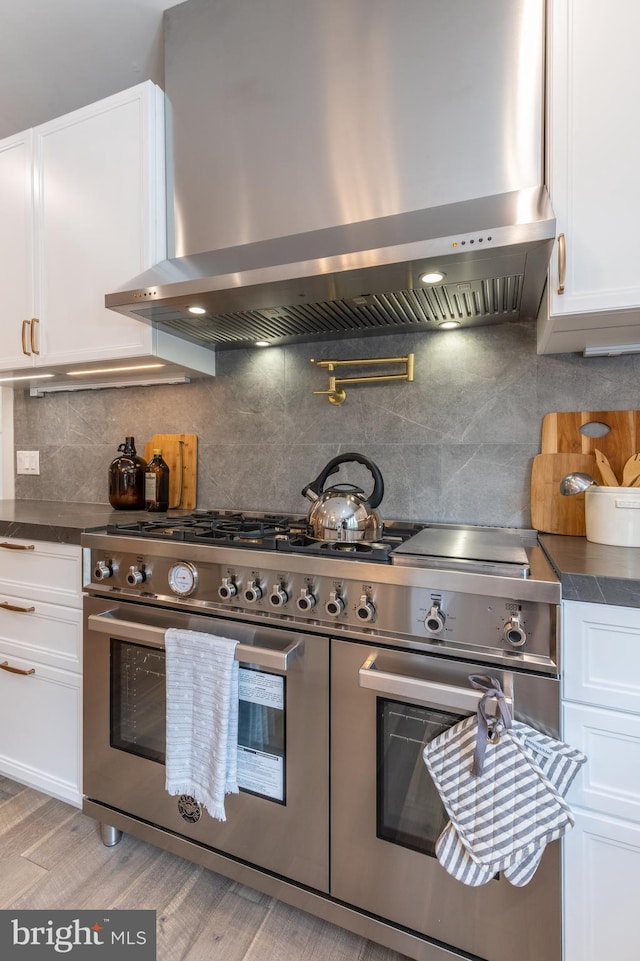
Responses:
[279,820]
[387,814]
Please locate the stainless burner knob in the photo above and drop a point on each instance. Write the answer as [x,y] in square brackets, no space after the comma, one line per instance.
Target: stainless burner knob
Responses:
[306,601]
[253,592]
[365,609]
[278,596]
[514,632]
[434,621]
[227,589]
[135,576]
[335,605]
[102,571]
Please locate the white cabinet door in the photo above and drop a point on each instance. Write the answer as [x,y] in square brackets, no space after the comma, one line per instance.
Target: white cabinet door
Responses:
[100,220]
[16,250]
[594,152]
[602,867]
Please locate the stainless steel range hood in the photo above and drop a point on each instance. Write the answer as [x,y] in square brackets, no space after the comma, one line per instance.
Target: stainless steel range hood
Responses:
[327,154]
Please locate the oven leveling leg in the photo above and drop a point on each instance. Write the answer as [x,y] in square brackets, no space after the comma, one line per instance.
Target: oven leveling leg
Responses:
[109,835]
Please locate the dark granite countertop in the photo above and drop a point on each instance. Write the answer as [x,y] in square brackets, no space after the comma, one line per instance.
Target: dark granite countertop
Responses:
[596,573]
[57,521]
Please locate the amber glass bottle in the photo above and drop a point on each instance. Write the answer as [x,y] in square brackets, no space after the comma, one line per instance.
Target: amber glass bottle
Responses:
[156,483]
[126,478]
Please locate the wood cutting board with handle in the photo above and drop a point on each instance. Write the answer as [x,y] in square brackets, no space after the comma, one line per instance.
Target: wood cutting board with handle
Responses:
[180,453]
[551,511]
[562,433]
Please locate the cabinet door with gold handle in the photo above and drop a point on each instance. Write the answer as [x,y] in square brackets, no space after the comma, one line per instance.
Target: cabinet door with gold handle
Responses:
[5,666]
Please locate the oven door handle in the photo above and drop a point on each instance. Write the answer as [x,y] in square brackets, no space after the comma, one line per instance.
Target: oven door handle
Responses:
[265,657]
[433,693]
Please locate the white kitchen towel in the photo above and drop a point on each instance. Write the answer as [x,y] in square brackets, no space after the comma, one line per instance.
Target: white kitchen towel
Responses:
[202,718]
[560,763]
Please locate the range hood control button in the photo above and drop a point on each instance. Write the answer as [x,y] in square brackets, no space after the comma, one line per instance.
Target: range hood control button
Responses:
[306,601]
[135,576]
[365,609]
[227,589]
[434,621]
[335,605]
[278,596]
[253,592]
[514,632]
[102,571]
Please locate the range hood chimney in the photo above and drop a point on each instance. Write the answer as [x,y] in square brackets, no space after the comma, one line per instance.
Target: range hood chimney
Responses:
[329,154]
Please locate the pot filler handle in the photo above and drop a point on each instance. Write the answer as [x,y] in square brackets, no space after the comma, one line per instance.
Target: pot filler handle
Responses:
[433,693]
[265,657]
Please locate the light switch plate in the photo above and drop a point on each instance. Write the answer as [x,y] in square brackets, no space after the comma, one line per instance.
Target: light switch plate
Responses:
[28,461]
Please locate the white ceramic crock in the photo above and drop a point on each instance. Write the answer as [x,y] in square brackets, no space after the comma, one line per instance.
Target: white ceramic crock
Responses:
[612,515]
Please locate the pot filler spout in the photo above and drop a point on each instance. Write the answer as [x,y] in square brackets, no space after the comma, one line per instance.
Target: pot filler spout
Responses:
[350,171]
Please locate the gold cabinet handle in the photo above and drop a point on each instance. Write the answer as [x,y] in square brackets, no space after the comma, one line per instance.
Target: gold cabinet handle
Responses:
[25,350]
[17,547]
[20,610]
[16,670]
[562,262]
[34,349]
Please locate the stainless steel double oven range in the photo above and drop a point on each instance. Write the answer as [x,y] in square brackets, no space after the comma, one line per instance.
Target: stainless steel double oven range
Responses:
[352,656]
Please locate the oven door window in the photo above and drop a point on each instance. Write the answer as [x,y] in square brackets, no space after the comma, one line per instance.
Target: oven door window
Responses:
[138,716]
[409,809]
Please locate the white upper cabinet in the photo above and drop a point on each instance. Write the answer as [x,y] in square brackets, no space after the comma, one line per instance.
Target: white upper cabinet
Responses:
[100,216]
[84,210]
[593,159]
[16,249]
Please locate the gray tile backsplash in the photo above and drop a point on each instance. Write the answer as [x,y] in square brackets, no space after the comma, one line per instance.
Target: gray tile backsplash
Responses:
[455,446]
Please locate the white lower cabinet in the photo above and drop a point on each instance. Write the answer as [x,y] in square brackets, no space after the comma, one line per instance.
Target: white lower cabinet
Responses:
[601,717]
[41,666]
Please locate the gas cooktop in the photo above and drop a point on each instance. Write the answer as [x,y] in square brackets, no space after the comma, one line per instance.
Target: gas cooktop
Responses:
[280,532]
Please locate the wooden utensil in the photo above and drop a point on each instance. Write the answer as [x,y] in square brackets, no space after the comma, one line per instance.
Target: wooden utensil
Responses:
[609,479]
[563,432]
[631,470]
[552,512]
[180,452]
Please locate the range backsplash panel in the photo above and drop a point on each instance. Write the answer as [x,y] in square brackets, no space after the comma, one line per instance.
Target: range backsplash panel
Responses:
[456,446]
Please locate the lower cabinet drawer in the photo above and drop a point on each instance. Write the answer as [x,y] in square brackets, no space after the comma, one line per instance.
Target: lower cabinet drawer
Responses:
[40,727]
[610,780]
[48,633]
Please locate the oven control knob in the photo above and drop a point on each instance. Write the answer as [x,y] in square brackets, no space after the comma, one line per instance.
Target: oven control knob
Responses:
[252,592]
[365,610]
[335,605]
[227,589]
[102,571]
[135,576]
[514,632]
[306,601]
[434,621]
[278,596]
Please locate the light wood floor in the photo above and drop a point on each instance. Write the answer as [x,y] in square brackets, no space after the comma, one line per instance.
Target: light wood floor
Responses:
[51,856]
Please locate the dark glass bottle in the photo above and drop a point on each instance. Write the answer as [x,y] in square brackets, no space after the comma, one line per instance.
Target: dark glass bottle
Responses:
[156,483]
[126,478]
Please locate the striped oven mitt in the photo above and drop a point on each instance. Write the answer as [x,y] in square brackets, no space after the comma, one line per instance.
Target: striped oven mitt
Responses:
[559,763]
[502,806]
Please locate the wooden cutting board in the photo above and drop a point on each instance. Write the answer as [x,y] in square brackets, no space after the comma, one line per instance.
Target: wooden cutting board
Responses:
[180,453]
[551,511]
[561,434]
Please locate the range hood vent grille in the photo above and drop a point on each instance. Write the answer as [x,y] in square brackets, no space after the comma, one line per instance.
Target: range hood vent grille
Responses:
[481,302]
